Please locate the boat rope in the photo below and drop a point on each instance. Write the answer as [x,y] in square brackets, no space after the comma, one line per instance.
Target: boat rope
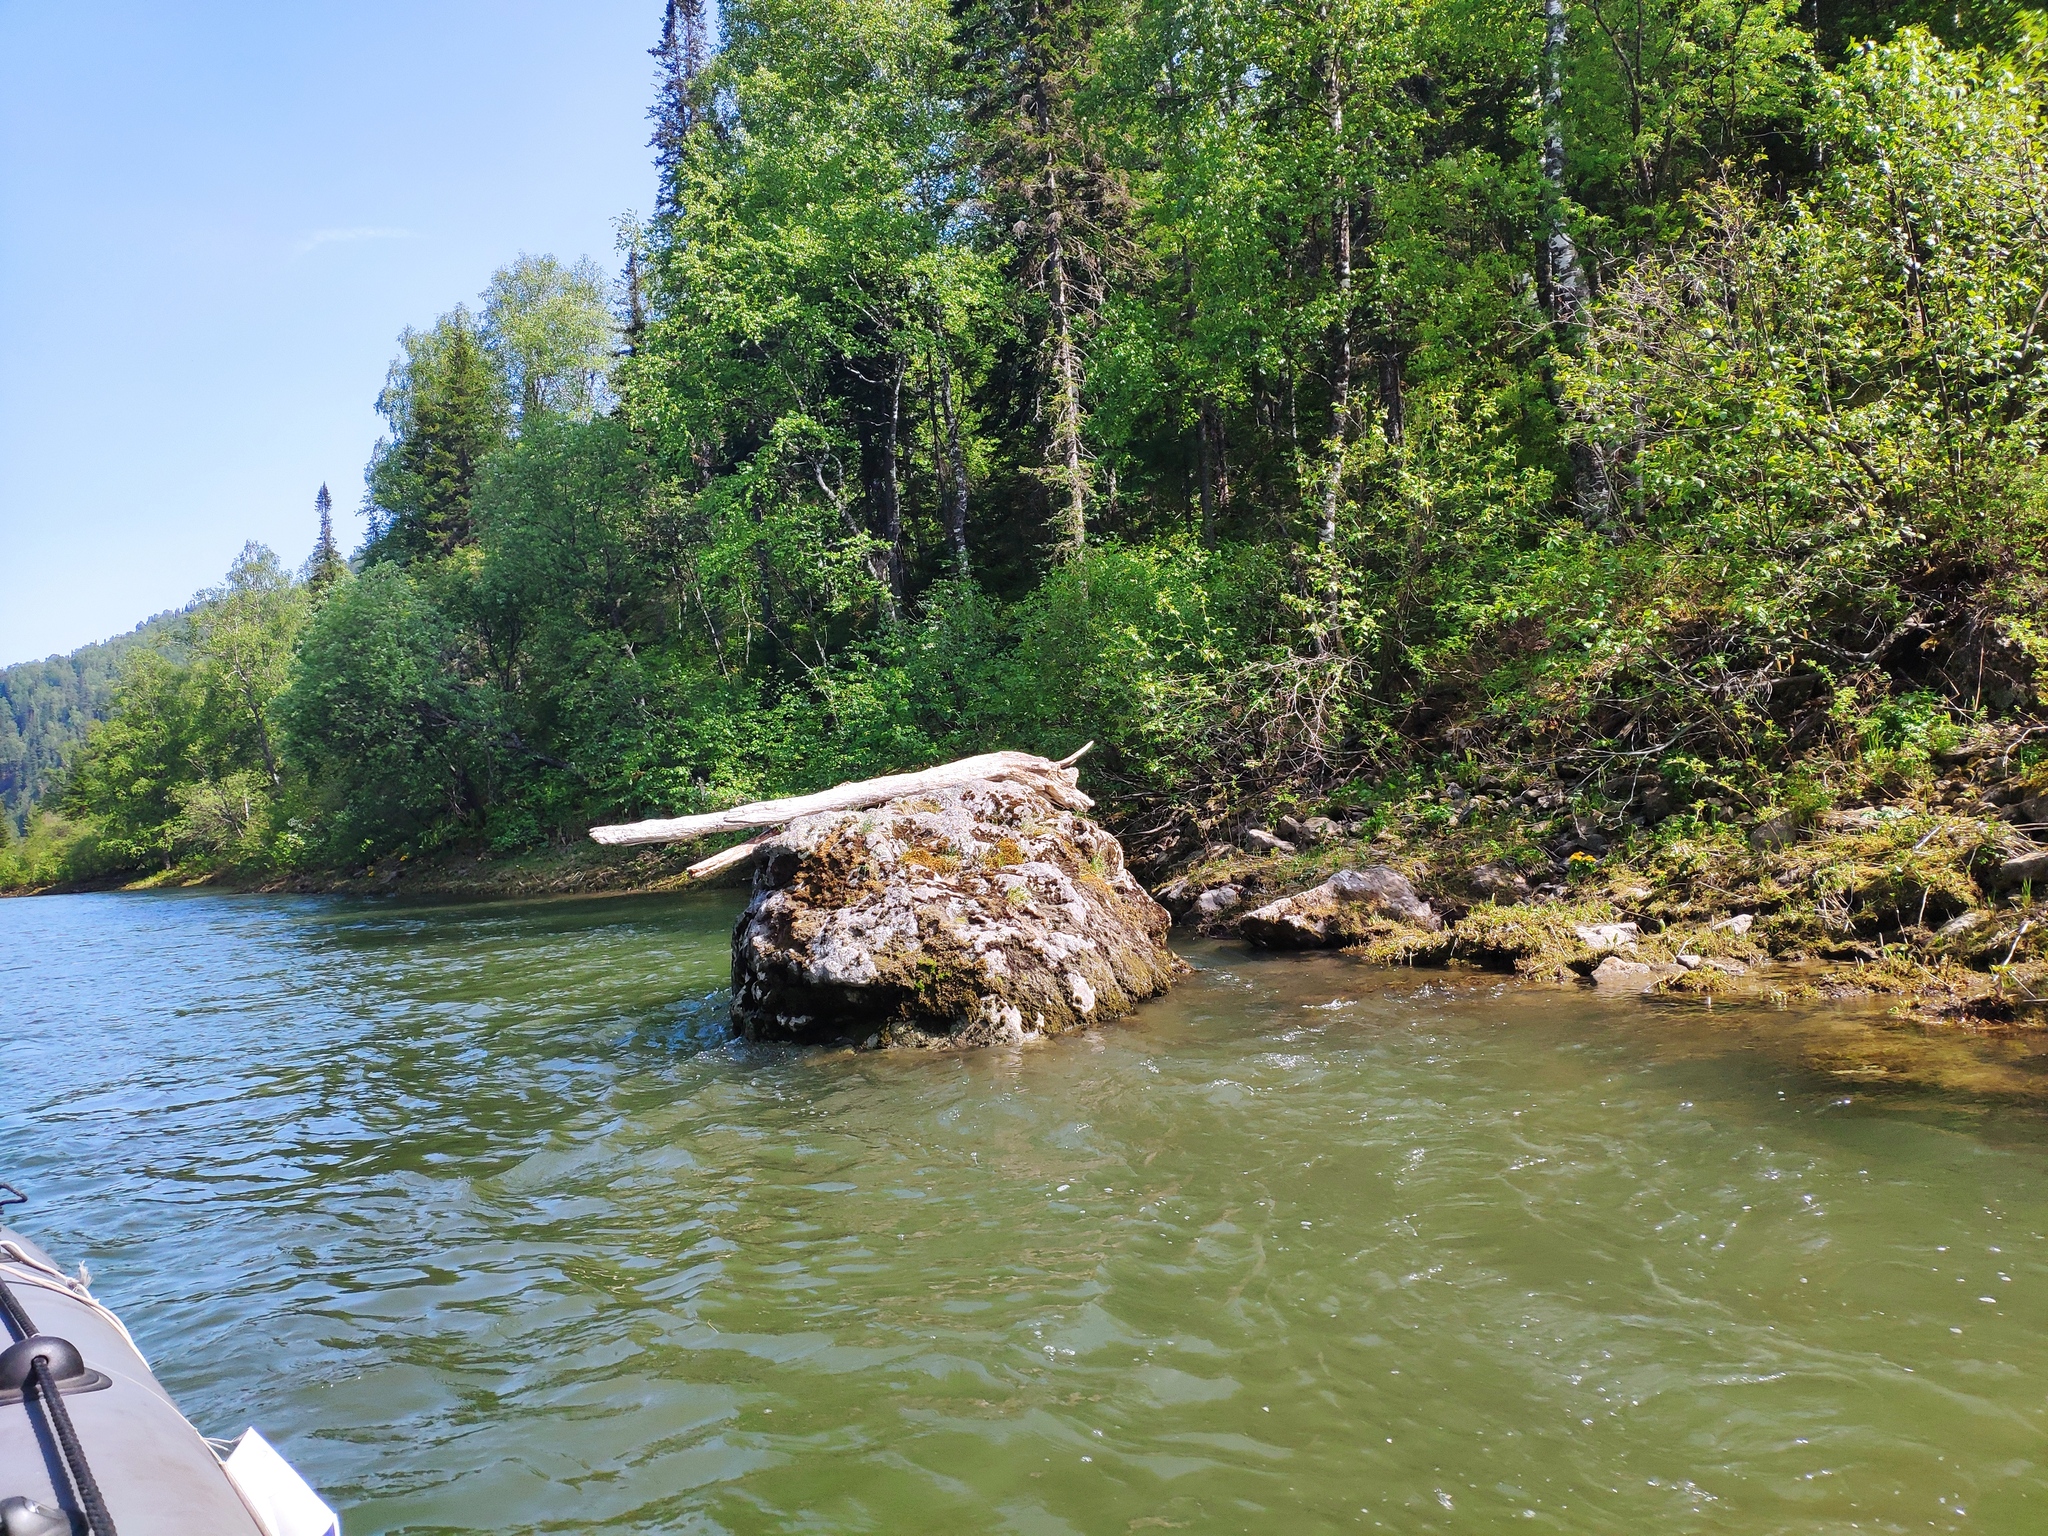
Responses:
[97,1520]
[17,1319]
[83,1483]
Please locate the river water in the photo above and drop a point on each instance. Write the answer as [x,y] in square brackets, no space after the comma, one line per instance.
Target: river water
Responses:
[476,1211]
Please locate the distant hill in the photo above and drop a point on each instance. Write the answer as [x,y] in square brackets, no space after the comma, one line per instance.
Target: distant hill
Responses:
[47,706]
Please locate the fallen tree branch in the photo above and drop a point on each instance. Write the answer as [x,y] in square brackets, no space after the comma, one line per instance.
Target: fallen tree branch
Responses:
[738,853]
[1057,779]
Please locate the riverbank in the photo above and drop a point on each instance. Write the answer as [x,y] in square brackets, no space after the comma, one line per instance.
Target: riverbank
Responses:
[1922,887]
[1927,892]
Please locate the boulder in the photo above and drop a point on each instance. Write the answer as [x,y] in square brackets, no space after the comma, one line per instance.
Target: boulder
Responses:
[1217,901]
[1617,972]
[1342,910]
[971,914]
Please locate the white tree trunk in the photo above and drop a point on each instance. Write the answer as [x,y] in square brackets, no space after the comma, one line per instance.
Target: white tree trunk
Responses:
[1056,779]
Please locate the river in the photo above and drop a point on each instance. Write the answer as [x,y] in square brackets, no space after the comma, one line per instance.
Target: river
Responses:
[477,1212]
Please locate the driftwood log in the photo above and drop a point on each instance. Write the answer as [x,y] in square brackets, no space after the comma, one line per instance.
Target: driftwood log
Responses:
[1056,780]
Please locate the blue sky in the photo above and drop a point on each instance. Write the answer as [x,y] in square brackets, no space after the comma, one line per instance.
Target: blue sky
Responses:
[215,218]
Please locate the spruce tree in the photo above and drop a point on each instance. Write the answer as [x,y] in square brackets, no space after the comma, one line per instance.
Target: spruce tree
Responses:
[676,112]
[326,565]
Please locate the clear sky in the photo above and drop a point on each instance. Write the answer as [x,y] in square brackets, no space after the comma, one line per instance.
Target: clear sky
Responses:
[215,218]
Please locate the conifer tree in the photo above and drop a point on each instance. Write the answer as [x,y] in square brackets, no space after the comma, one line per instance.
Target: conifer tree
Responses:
[1050,188]
[685,39]
[326,565]
[445,402]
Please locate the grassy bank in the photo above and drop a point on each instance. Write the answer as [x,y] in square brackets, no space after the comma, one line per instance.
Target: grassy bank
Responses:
[1917,878]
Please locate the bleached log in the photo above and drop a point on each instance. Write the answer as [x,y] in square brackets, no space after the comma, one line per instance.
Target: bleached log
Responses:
[738,853]
[1056,779]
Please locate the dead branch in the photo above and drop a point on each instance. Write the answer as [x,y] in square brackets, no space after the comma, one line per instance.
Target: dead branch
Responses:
[1055,779]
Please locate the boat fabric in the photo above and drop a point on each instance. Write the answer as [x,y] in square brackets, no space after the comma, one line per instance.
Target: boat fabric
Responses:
[159,1478]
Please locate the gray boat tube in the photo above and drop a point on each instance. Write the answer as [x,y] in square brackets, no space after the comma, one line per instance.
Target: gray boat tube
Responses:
[153,1473]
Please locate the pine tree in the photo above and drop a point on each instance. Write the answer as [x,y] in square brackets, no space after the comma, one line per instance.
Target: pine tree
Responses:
[676,111]
[446,404]
[326,565]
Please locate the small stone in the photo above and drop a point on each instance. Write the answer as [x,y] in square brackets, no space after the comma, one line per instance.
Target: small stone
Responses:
[1494,883]
[2027,867]
[1320,829]
[1259,840]
[1776,832]
[1955,927]
[1656,803]
[1291,830]
[1608,938]
[1218,900]
[1726,966]
[1339,911]
[1741,922]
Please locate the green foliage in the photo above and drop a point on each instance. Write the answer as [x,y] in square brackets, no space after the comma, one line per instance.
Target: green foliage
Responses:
[1202,381]
[444,401]
[373,717]
[48,706]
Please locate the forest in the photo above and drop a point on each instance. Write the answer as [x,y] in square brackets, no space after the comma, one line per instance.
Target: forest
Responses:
[1296,399]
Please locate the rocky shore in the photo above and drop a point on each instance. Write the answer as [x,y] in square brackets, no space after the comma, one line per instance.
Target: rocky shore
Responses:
[1930,894]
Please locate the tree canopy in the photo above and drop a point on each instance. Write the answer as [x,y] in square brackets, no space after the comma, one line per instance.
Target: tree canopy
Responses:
[1279,394]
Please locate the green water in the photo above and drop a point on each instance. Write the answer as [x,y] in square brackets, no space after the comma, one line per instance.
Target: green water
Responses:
[477,1213]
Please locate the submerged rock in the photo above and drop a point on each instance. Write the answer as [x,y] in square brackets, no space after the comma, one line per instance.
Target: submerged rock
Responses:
[1339,911]
[969,915]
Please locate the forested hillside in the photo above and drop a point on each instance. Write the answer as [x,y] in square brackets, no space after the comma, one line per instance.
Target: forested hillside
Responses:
[47,707]
[1293,398]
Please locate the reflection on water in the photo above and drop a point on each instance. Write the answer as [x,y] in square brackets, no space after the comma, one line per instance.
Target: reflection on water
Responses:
[479,1213]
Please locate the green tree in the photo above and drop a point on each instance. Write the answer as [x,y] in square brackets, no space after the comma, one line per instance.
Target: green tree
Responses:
[549,330]
[326,563]
[445,404]
[242,637]
[375,717]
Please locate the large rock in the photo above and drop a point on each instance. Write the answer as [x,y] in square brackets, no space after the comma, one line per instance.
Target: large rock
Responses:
[979,913]
[1342,910]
